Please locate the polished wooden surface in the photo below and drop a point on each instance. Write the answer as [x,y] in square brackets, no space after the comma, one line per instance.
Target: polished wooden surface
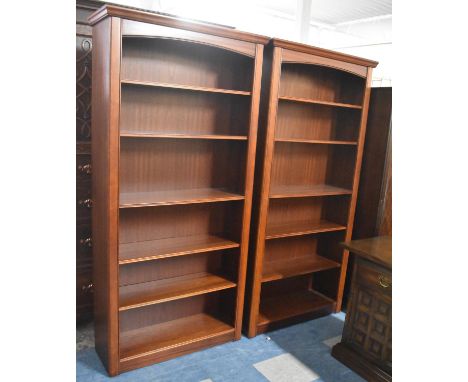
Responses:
[301,57]
[165,111]
[310,150]
[296,266]
[181,154]
[286,229]
[320,52]
[105,163]
[273,309]
[377,249]
[281,191]
[171,247]
[163,336]
[366,345]
[173,197]
[156,292]
[135,28]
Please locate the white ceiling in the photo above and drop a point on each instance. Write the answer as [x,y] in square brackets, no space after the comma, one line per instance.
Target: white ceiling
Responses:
[332,12]
[344,11]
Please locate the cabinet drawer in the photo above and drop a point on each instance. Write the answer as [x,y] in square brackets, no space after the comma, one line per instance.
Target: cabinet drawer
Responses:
[83,200]
[374,277]
[83,244]
[83,168]
[84,287]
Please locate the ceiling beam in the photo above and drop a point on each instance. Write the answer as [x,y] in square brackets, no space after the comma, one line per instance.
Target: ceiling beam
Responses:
[364,20]
[303,19]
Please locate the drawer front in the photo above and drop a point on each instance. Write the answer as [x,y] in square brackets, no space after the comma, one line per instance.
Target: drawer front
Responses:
[374,277]
[368,327]
[84,291]
[83,168]
[84,244]
[83,200]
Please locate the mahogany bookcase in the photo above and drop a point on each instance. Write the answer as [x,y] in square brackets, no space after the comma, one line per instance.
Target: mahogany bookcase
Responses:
[312,126]
[174,117]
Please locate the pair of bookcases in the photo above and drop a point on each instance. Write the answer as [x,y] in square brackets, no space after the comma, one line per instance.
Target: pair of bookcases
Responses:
[175,110]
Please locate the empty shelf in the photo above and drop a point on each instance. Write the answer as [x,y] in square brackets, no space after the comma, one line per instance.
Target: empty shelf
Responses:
[169,197]
[296,266]
[156,338]
[155,292]
[285,229]
[316,141]
[170,247]
[184,87]
[288,305]
[184,136]
[304,191]
[319,102]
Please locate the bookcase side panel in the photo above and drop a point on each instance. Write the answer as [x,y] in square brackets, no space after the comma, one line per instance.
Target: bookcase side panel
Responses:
[105,154]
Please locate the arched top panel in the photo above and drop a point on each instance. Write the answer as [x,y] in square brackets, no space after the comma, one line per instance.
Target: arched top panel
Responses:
[140,29]
[290,56]
[164,60]
[318,83]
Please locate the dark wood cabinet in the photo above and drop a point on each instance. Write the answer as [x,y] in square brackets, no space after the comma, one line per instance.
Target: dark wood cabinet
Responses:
[311,137]
[373,212]
[84,48]
[366,345]
[174,124]
[374,204]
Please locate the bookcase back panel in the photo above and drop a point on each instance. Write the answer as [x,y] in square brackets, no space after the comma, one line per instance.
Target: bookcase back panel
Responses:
[212,262]
[292,211]
[308,121]
[296,164]
[152,223]
[174,111]
[185,63]
[321,83]
[173,310]
[290,248]
[276,288]
[148,165]
[327,282]
[329,245]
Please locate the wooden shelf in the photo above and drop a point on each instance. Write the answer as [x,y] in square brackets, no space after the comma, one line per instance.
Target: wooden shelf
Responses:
[167,335]
[305,191]
[288,305]
[319,102]
[316,141]
[156,292]
[183,136]
[171,247]
[282,269]
[301,228]
[170,197]
[184,87]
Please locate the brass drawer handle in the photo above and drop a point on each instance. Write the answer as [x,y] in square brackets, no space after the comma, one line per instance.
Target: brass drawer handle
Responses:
[87,203]
[384,282]
[85,168]
[87,242]
[88,288]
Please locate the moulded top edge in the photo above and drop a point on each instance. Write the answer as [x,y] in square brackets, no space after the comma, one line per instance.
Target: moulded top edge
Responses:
[304,48]
[134,14]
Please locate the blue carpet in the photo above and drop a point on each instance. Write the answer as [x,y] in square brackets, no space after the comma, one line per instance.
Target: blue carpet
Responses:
[233,362]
